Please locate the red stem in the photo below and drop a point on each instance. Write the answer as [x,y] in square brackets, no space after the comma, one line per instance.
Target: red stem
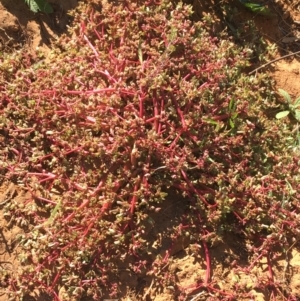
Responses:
[97,34]
[55,279]
[91,224]
[133,203]
[135,197]
[161,115]
[156,114]
[179,112]
[91,46]
[253,263]
[82,205]
[239,218]
[43,199]
[152,119]
[208,262]
[175,140]
[141,99]
[195,190]
[271,274]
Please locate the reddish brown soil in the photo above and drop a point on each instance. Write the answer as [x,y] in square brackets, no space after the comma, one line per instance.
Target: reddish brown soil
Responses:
[21,29]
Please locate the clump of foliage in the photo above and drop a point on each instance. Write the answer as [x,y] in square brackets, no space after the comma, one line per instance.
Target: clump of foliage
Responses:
[139,102]
[293,106]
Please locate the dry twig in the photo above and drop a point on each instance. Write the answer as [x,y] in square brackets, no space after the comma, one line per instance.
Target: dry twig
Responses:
[273,61]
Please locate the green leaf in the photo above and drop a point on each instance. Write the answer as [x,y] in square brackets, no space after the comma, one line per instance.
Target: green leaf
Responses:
[258,9]
[236,278]
[211,121]
[53,213]
[234,116]
[297,102]
[39,5]
[297,115]
[286,95]
[232,105]
[32,5]
[282,114]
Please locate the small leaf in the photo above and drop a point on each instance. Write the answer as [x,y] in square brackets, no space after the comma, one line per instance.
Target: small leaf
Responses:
[232,105]
[53,213]
[257,8]
[236,278]
[286,95]
[234,116]
[297,115]
[211,121]
[282,114]
[297,102]
[39,5]
[32,5]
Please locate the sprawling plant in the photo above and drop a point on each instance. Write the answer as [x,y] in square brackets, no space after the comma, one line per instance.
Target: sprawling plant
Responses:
[141,101]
